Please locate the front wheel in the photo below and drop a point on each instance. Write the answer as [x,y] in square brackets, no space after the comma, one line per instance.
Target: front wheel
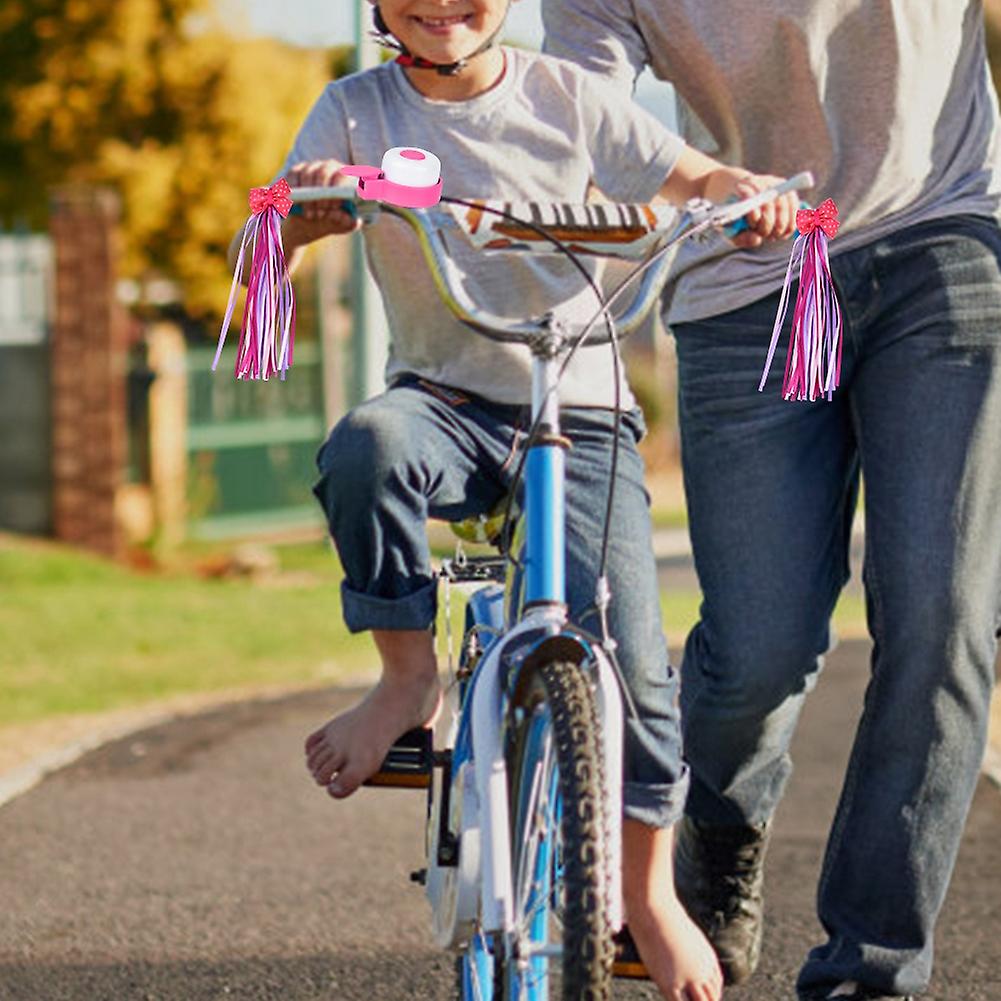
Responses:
[560,864]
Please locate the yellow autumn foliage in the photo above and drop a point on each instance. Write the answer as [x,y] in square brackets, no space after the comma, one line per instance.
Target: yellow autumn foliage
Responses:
[157,100]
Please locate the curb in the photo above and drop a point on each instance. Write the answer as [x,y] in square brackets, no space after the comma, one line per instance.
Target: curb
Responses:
[25,777]
[668,543]
[22,778]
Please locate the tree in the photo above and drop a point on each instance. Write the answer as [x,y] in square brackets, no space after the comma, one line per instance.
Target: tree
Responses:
[156,99]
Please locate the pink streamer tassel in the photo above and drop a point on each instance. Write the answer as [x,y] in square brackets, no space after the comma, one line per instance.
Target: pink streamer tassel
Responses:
[267,333]
[813,362]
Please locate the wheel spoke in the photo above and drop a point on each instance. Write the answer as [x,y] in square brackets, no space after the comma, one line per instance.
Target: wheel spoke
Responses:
[470,970]
[475,970]
[558,850]
[534,835]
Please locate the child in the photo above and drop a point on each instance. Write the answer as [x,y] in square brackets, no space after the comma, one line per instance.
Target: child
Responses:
[444,439]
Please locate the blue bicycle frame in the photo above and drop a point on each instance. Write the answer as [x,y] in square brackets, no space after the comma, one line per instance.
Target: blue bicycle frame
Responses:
[470,881]
[545,542]
[540,592]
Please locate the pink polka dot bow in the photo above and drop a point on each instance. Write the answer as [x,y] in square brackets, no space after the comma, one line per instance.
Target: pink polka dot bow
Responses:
[824,216]
[278,196]
[813,363]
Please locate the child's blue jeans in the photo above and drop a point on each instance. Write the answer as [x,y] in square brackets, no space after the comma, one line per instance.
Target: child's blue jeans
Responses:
[771,488]
[422,451]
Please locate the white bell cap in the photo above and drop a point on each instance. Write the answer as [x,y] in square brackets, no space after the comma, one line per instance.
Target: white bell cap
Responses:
[411,166]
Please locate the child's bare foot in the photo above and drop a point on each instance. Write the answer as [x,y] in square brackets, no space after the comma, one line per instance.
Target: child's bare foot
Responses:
[677,956]
[351,747]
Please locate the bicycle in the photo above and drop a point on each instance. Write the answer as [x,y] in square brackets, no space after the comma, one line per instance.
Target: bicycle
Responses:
[523,844]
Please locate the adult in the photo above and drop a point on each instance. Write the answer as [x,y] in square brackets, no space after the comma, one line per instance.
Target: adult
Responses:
[891,106]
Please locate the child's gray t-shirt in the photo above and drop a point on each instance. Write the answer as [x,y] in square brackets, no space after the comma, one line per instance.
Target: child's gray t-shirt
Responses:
[890,104]
[542,133]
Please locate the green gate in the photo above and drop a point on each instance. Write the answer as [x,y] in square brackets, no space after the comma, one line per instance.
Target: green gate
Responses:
[25,422]
[252,447]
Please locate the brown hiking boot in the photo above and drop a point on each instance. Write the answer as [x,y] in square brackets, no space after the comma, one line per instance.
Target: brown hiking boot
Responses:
[719,874]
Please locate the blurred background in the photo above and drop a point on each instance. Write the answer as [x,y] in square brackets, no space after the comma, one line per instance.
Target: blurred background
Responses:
[157,531]
[130,133]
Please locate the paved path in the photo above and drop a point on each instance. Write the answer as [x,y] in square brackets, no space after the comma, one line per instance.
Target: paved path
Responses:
[196,862]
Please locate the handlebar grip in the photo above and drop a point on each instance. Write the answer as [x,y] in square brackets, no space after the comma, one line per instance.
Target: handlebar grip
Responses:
[346,205]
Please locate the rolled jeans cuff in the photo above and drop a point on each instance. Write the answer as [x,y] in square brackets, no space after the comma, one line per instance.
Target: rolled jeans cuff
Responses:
[655,805]
[412,611]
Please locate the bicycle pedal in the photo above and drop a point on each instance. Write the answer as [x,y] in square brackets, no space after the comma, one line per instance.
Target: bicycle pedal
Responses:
[627,963]
[409,763]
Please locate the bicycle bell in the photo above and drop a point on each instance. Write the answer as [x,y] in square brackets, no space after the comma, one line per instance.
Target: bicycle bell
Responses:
[409,177]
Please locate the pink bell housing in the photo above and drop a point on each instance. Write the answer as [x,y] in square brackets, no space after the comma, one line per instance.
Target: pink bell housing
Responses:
[409,177]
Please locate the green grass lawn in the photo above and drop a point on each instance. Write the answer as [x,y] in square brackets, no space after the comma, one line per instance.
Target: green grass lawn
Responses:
[80,634]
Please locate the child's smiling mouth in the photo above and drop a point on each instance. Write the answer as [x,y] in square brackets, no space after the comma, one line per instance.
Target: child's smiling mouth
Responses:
[441,25]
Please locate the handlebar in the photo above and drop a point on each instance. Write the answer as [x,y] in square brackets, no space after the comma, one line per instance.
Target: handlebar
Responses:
[582,227]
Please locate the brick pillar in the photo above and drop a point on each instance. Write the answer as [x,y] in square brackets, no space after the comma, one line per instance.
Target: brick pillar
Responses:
[89,362]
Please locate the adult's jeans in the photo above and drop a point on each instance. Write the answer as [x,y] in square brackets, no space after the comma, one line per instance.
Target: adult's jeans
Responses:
[423,450]
[771,489]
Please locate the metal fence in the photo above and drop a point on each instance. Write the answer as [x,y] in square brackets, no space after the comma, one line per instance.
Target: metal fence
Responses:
[25,424]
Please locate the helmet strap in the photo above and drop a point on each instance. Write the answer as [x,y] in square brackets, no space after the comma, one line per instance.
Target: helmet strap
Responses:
[385,37]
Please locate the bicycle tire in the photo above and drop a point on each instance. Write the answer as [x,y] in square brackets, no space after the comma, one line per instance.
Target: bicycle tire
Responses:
[553,746]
